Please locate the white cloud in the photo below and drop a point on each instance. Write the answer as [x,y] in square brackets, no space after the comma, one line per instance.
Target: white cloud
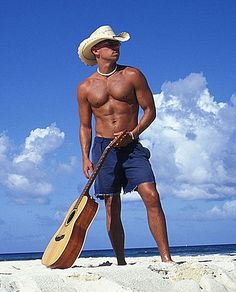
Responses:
[39,143]
[4,161]
[218,212]
[227,211]
[207,103]
[4,144]
[233,99]
[22,183]
[23,173]
[192,141]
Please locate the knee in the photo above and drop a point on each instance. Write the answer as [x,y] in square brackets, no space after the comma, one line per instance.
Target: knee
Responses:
[153,201]
[150,196]
[113,211]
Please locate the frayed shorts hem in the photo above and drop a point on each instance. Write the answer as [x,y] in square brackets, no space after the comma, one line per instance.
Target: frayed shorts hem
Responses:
[102,196]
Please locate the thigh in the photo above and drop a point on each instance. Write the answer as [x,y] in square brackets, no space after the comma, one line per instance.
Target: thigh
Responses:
[137,168]
[107,181]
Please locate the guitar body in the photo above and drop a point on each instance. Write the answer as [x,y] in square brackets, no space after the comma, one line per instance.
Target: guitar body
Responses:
[67,243]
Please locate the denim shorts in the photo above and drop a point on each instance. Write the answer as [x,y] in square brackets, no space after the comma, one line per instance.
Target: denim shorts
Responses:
[124,167]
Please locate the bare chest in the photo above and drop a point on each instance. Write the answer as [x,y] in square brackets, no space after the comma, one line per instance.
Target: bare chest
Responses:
[110,90]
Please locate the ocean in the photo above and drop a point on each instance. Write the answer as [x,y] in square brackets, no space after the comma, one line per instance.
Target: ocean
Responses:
[223,249]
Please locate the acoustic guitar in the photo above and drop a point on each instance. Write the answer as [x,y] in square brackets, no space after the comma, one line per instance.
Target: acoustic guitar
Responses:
[67,243]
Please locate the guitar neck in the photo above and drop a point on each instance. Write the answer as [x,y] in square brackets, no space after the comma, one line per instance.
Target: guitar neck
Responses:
[96,170]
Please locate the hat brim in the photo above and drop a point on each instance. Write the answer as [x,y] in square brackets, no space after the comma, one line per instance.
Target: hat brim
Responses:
[84,50]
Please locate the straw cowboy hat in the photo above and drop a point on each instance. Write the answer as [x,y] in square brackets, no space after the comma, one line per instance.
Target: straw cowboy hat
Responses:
[102,33]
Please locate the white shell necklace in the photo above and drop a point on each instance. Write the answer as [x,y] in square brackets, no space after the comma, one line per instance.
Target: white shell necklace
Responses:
[107,74]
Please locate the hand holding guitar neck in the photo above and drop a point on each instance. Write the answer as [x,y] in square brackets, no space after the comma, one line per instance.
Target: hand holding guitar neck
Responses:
[124,138]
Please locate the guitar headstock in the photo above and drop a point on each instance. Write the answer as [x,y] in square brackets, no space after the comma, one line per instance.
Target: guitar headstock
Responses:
[118,139]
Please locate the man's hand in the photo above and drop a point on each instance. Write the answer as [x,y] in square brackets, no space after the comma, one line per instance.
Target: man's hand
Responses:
[87,167]
[128,138]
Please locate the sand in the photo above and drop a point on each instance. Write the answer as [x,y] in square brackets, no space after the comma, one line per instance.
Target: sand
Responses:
[216,273]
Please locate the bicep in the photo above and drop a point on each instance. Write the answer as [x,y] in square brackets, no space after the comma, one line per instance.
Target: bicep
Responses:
[143,92]
[84,108]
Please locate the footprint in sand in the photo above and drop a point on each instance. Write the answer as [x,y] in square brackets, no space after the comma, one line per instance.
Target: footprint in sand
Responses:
[85,277]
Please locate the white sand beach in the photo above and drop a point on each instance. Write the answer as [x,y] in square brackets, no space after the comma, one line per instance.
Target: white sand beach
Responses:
[190,274]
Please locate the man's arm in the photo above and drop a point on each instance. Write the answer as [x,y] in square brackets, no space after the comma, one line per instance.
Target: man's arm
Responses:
[85,130]
[145,100]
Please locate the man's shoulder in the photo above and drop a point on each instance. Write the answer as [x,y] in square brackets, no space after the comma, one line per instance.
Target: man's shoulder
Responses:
[130,71]
[86,82]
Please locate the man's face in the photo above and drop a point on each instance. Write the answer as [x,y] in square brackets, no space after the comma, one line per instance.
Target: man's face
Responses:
[107,49]
[114,45]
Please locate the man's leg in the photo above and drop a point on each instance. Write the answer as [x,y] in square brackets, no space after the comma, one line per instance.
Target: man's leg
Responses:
[156,218]
[114,226]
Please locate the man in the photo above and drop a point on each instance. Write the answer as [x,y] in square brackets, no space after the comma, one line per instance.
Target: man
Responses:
[113,94]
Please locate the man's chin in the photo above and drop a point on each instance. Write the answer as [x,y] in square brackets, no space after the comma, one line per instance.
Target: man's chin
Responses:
[116,56]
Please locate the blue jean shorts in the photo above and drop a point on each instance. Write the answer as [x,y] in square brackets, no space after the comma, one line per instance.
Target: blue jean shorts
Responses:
[124,167]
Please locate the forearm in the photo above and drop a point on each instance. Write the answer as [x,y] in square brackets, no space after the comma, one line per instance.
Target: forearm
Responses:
[146,120]
[85,141]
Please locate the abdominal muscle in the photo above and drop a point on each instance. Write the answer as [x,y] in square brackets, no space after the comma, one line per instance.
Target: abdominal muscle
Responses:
[108,125]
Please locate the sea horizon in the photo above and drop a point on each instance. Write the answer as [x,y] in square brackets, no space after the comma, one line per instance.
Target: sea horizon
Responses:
[186,250]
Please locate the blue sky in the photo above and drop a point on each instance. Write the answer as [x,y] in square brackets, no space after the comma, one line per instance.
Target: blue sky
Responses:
[186,49]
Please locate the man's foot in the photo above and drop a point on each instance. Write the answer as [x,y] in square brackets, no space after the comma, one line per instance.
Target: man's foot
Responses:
[168,261]
[121,263]
[166,258]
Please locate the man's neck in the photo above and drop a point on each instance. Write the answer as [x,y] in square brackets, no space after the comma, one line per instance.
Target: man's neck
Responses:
[107,69]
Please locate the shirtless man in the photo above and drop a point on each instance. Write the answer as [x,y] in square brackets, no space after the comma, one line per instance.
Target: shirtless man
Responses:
[113,94]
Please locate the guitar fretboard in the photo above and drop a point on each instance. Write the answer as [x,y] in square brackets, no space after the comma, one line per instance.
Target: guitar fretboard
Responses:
[85,191]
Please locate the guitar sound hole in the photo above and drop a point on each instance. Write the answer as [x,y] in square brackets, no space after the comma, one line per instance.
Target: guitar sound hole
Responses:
[70,217]
[59,237]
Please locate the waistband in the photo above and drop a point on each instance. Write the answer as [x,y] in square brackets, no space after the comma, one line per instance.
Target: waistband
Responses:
[108,140]
[102,139]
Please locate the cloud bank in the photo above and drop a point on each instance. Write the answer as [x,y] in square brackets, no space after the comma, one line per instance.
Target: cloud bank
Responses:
[23,174]
[192,141]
